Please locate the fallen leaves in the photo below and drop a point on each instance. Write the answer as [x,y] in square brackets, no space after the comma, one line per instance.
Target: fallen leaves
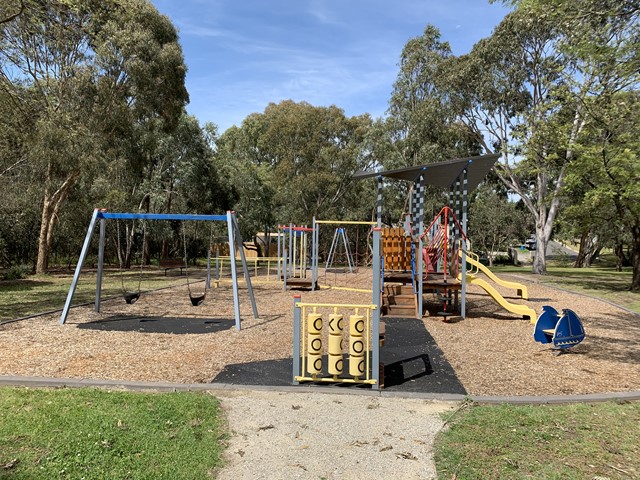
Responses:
[11,464]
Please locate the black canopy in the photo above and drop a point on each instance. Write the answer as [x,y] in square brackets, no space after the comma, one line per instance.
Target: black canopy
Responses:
[442,174]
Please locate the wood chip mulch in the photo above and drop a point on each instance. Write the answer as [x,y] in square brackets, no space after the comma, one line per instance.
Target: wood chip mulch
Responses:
[492,351]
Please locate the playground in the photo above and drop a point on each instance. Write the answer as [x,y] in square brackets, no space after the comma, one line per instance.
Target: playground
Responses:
[162,337]
[419,314]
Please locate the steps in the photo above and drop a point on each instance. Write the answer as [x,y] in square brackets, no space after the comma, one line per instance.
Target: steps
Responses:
[399,301]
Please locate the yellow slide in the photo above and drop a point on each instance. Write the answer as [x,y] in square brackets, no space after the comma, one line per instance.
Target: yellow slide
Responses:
[518,287]
[511,307]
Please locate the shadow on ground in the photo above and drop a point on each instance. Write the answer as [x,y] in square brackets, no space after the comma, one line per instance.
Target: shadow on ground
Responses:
[412,360]
[175,325]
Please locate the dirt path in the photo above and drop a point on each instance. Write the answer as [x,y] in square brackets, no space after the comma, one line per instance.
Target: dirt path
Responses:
[313,435]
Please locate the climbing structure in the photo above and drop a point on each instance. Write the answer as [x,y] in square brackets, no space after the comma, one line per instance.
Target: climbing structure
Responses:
[432,253]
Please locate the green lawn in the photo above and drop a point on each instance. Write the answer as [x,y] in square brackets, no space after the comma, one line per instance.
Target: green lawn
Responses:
[95,434]
[581,441]
[601,281]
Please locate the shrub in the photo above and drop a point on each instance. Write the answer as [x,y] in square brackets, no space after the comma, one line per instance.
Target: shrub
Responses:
[16,272]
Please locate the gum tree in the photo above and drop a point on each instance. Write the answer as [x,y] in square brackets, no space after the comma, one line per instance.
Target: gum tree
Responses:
[83,74]
[523,92]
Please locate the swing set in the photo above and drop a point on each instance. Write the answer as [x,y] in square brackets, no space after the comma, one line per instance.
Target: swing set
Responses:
[197,299]
[340,243]
[130,297]
[235,242]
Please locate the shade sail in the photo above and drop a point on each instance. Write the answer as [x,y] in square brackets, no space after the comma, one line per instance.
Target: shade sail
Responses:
[442,174]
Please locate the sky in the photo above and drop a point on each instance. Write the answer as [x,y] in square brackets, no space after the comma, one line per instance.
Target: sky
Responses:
[242,55]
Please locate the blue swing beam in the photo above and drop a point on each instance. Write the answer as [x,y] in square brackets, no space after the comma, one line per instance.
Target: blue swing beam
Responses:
[235,242]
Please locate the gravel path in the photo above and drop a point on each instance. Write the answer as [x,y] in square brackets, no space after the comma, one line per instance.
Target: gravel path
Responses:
[314,435]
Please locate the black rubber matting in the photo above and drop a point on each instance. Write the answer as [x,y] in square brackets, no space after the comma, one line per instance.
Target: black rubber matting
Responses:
[412,360]
[146,324]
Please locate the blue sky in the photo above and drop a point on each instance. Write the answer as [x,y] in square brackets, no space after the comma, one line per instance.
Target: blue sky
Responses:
[243,54]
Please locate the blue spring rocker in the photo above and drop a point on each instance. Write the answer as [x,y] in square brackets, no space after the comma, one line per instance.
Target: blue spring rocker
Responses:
[564,331]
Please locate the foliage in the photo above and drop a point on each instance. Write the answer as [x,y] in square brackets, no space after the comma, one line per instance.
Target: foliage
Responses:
[80,76]
[92,434]
[295,161]
[523,92]
[421,121]
[495,223]
[566,441]
[16,272]
[607,172]
[422,126]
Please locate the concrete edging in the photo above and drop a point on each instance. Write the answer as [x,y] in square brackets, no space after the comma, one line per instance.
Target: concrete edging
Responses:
[45,382]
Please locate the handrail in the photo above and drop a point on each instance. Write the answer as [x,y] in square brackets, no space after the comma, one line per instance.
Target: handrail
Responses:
[520,289]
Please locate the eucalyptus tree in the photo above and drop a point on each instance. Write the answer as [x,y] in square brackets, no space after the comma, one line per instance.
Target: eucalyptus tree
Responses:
[239,162]
[294,161]
[421,122]
[495,223]
[607,171]
[83,74]
[523,91]
[421,126]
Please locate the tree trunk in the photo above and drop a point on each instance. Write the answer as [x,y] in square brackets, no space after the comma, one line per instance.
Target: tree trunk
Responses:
[589,250]
[539,258]
[594,255]
[44,247]
[50,208]
[582,252]
[635,258]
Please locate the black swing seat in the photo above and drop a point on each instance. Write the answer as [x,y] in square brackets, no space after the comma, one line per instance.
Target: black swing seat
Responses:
[131,297]
[197,300]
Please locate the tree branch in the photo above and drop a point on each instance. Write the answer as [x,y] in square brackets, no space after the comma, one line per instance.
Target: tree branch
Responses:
[15,15]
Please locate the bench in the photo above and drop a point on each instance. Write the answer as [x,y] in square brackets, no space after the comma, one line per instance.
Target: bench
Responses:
[171,263]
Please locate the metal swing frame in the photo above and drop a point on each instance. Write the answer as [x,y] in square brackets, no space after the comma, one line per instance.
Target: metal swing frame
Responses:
[101,215]
[339,237]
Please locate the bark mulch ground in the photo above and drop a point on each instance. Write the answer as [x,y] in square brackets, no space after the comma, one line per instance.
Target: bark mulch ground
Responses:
[163,338]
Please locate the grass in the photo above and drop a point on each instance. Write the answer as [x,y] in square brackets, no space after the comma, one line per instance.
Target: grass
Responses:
[41,293]
[581,441]
[97,434]
[601,281]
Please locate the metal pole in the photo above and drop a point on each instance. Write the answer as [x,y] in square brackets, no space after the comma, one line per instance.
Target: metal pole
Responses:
[376,299]
[314,254]
[291,265]
[303,246]
[103,227]
[420,231]
[329,261]
[284,270]
[234,272]
[279,254]
[208,285]
[379,203]
[463,264]
[296,338]
[217,263]
[76,275]
[245,269]
[377,286]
